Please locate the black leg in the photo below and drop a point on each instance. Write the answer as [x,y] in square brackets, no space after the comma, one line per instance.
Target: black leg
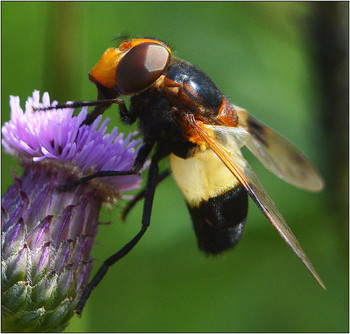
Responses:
[142,194]
[85,179]
[100,107]
[78,104]
[128,117]
[146,217]
[98,110]
[142,155]
[140,160]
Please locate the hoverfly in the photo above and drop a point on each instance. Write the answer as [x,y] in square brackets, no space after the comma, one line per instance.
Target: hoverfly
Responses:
[182,114]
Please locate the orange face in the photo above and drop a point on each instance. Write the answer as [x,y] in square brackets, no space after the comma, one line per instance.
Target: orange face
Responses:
[132,67]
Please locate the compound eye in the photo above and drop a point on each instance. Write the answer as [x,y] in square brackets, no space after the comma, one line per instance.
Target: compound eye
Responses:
[141,67]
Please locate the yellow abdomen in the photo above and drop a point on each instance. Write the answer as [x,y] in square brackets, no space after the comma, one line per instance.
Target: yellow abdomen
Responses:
[202,176]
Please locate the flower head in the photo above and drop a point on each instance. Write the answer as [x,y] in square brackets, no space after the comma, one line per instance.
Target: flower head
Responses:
[47,235]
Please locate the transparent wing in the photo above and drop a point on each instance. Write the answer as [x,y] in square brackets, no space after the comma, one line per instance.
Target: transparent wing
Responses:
[277,154]
[227,151]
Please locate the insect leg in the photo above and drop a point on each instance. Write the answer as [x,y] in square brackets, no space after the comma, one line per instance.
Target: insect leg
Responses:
[98,110]
[138,164]
[142,194]
[79,104]
[104,173]
[146,217]
[128,117]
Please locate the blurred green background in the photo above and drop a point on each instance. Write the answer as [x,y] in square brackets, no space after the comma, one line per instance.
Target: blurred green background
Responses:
[287,64]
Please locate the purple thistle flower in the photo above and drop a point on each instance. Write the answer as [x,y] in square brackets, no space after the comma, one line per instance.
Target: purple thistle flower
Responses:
[47,235]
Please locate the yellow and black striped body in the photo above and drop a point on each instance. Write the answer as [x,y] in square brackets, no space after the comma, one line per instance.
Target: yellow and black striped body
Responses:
[218,204]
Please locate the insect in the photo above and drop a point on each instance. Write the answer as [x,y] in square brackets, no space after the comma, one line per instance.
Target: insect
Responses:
[182,114]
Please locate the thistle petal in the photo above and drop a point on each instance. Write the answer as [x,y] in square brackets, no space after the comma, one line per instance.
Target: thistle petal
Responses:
[47,235]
